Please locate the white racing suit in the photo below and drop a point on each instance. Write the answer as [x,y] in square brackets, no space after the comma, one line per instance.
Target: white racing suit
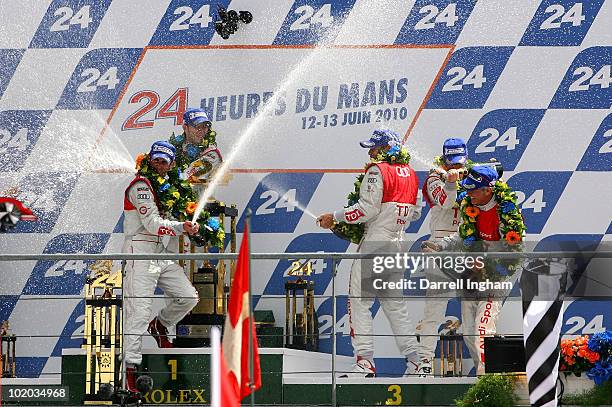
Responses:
[479,317]
[444,221]
[387,203]
[144,228]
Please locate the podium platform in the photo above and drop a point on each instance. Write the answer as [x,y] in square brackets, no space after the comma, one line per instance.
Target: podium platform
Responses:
[289,377]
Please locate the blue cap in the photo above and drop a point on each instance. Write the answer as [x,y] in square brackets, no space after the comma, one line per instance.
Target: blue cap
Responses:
[194,116]
[163,149]
[382,138]
[454,151]
[480,176]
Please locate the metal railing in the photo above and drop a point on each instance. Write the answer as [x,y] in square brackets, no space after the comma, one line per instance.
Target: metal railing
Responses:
[288,256]
[333,256]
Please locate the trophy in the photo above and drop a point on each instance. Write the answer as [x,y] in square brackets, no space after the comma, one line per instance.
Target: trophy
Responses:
[209,281]
[201,171]
[102,340]
[7,354]
[451,350]
[301,328]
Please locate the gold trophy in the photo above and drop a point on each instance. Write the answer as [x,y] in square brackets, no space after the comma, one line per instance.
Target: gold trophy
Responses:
[208,279]
[301,328]
[209,282]
[451,350]
[7,353]
[102,340]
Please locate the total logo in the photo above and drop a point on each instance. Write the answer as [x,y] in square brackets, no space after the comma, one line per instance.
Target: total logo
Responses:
[165,231]
[353,215]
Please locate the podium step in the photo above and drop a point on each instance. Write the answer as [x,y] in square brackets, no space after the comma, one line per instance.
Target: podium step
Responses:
[289,377]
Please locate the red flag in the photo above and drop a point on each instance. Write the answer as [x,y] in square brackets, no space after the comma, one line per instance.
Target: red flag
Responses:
[235,350]
[229,387]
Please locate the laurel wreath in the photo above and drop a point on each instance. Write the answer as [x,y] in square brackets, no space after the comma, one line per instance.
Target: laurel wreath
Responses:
[185,158]
[176,198]
[353,232]
[511,226]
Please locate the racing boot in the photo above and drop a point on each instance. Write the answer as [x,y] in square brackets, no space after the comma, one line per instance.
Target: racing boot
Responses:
[425,369]
[130,379]
[412,367]
[159,333]
[363,368]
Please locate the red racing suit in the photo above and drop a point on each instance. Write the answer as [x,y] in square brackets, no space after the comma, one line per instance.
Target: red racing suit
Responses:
[479,318]
[144,228]
[388,202]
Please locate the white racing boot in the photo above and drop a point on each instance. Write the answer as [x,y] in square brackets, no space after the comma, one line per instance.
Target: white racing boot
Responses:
[363,368]
[425,369]
[412,367]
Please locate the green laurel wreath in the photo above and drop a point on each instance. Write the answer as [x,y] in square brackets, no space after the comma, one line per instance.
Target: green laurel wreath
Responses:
[176,198]
[178,140]
[353,232]
[511,227]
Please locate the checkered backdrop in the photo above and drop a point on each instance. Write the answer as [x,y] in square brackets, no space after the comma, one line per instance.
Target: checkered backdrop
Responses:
[85,85]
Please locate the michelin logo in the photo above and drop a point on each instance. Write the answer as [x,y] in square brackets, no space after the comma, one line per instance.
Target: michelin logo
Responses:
[197,114]
[459,150]
[162,149]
